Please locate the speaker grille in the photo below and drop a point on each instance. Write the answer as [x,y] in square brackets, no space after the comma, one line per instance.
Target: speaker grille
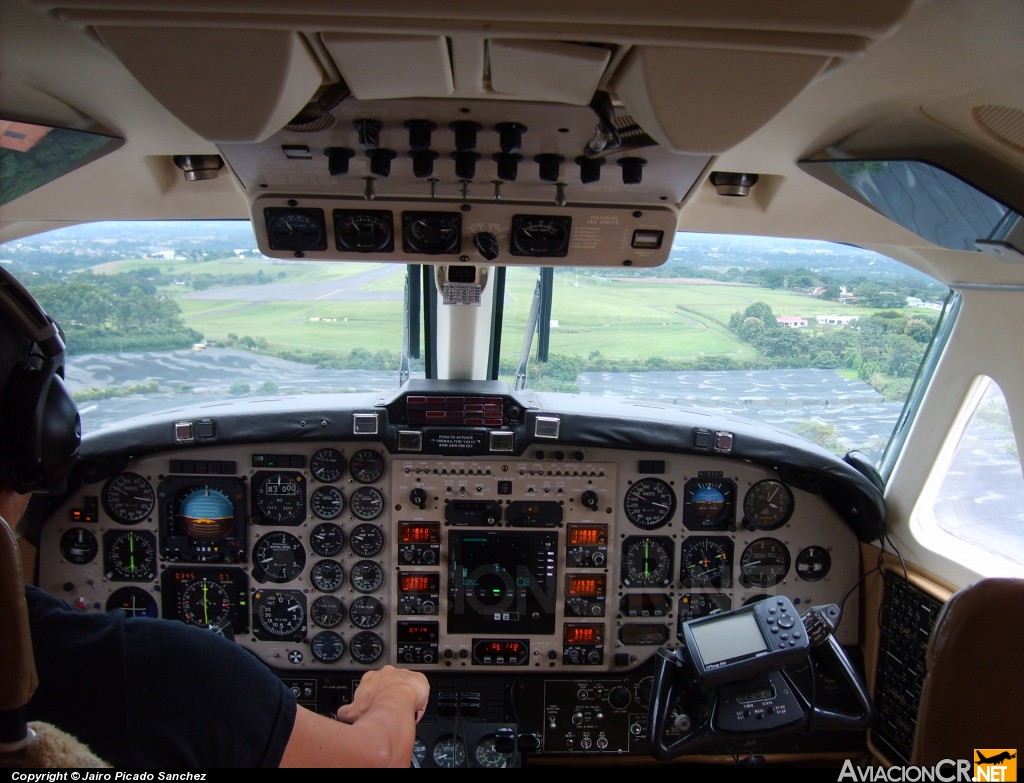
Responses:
[1003,122]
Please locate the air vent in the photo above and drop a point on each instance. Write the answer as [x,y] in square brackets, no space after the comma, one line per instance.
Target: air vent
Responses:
[451,411]
[1003,122]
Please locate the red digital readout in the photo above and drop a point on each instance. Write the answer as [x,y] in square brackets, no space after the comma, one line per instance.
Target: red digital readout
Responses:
[418,534]
[581,536]
[581,634]
[495,647]
[417,583]
[584,585]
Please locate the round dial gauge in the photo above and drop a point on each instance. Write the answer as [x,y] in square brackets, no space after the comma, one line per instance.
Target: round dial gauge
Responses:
[366,466]
[366,612]
[295,229]
[327,575]
[366,647]
[646,561]
[487,754]
[649,503]
[366,540]
[327,502]
[280,498]
[327,611]
[366,576]
[419,752]
[694,605]
[206,603]
[327,465]
[366,503]
[133,601]
[431,233]
[709,504]
[279,613]
[764,563]
[449,751]
[78,545]
[327,647]
[768,505]
[371,231]
[129,555]
[539,236]
[813,563]
[327,539]
[128,498]
[706,561]
[277,557]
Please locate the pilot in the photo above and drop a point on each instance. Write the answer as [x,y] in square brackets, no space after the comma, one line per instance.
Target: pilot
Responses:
[147,692]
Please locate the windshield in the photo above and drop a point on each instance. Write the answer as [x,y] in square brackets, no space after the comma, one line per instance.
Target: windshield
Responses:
[817,338]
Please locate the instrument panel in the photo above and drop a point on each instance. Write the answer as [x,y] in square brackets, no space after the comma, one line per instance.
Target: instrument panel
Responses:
[343,556]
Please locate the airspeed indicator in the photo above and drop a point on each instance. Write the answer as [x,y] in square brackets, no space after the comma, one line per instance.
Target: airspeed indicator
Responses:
[650,503]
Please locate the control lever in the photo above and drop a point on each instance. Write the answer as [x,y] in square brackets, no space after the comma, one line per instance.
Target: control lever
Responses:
[820,622]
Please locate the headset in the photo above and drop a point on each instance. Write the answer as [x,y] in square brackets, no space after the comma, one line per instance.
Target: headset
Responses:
[41,425]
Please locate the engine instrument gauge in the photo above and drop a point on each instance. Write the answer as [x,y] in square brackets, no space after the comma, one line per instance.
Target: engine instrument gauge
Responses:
[133,601]
[706,561]
[295,229]
[327,465]
[279,498]
[327,611]
[79,546]
[366,576]
[709,504]
[279,614]
[647,561]
[327,647]
[366,647]
[366,612]
[768,505]
[541,236]
[129,555]
[649,503]
[327,503]
[366,466]
[366,503]
[764,563]
[327,539]
[277,557]
[449,751]
[431,233]
[327,575]
[487,754]
[128,498]
[813,563]
[364,231]
[366,540]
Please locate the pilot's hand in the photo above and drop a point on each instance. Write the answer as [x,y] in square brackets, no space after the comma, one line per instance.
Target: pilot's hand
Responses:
[387,684]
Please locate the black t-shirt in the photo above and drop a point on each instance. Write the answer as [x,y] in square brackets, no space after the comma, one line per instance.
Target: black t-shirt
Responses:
[143,692]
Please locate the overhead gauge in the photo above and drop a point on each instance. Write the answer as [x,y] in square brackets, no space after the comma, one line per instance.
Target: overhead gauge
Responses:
[364,231]
[327,465]
[366,647]
[366,503]
[129,555]
[327,502]
[295,229]
[541,236]
[366,540]
[647,561]
[79,546]
[366,466]
[327,647]
[709,504]
[327,539]
[764,563]
[277,557]
[279,614]
[128,498]
[768,505]
[431,233]
[133,601]
[649,503]
[813,563]
[706,561]
[279,498]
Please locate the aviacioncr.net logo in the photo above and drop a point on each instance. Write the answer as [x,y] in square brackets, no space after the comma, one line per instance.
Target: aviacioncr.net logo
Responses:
[995,764]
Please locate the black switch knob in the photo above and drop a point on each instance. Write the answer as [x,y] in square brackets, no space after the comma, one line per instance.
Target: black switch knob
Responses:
[510,136]
[632,170]
[487,244]
[590,168]
[337,160]
[465,164]
[369,133]
[508,165]
[550,164]
[423,163]
[380,161]
[465,134]
[418,497]
[589,499]
[419,133]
